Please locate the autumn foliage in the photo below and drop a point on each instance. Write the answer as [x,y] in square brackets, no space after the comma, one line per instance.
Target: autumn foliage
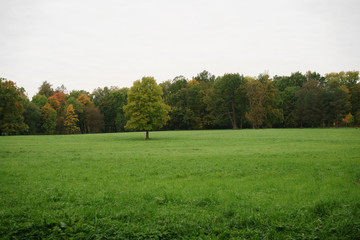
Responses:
[58,101]
[201,102]
[84,100]
[70,120]
[348,119]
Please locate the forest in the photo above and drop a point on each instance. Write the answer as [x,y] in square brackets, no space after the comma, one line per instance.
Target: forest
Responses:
[231,101]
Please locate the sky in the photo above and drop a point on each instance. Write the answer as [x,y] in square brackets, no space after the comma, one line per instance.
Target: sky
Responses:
[86,44]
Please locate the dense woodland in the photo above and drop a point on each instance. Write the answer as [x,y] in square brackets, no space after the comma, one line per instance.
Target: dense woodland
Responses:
[204,102]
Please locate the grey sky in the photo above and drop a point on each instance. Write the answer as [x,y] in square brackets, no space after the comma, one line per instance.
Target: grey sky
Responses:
[89,44]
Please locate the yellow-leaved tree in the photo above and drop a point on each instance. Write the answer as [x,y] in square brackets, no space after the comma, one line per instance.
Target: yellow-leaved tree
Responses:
[71,118]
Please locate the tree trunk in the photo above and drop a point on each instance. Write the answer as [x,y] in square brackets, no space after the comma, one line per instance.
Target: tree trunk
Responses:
[234,115]
[147,135]
[230,118]
[241,121]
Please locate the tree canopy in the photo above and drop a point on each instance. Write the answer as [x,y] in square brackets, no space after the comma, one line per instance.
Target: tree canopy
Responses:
[146,107]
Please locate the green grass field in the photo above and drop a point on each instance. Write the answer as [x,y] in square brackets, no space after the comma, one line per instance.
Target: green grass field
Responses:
[223,184]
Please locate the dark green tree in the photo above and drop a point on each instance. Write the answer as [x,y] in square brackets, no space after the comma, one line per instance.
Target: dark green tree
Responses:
[110,102]
[95,119]
[288,106]
[355,103]
[32,116]
[335,105]
[11,109]
[205,77]
[229,97]
[46,89]
[175,95]
[309,107]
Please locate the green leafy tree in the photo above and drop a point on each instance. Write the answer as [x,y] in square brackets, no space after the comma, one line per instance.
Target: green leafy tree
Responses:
[188,105]
[11,109]
[100,97]
[256,95]
[261,96]
[46,89]
[76,104]
[76,93]
[355,103]
[335,103]
[32,116]
[205,77]
[206,82]
[309,107]
[146,107]
[274,115]
[228,96]
[175,95]
[288,106]
[349,79]
[118,101]
[111,101]
[193,105]
[39,100]
[315,76]
[296,79]
[49,116]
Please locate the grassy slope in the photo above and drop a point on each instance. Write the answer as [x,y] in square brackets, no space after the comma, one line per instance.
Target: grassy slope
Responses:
[298,183]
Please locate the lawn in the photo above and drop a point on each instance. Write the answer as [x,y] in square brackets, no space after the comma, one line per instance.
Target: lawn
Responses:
[218,184]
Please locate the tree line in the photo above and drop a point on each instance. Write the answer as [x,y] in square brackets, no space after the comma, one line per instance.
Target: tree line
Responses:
[203,102]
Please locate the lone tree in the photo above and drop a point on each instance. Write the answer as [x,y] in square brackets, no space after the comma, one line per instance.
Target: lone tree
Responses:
[146,107]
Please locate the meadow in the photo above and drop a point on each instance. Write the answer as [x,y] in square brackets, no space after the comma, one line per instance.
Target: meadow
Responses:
[216,184]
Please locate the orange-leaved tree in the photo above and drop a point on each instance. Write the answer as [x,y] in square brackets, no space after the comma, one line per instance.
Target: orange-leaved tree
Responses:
[84,100]
[348,119]
[58,101]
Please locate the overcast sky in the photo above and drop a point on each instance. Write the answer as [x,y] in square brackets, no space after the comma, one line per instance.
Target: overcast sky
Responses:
[89,44]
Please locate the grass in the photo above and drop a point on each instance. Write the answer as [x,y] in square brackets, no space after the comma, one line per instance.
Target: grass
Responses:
[223,184]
